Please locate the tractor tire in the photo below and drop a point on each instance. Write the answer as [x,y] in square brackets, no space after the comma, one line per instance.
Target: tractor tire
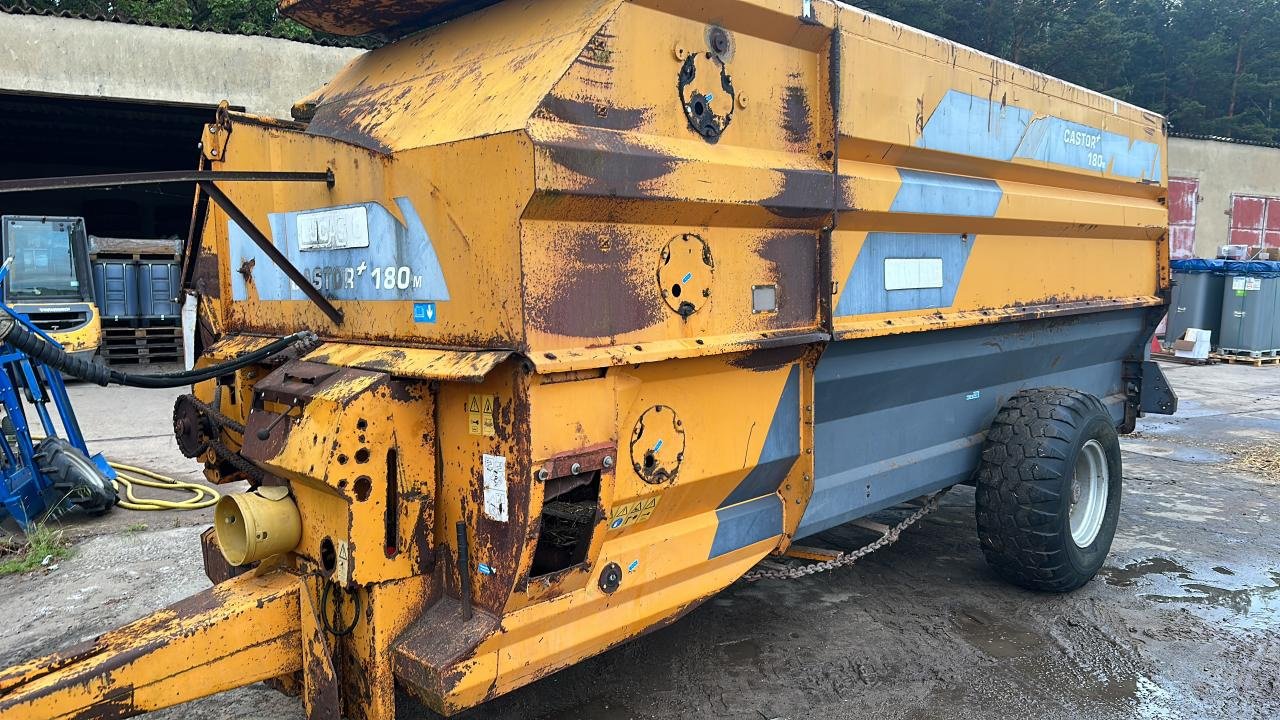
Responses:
[75,480]
[1048,489]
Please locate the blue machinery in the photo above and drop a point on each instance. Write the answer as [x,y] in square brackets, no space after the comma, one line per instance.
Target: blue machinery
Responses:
[30,489]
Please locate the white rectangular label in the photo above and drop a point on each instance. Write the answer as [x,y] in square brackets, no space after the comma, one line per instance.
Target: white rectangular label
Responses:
[1253,284]
[912,273]
[336,229]
[495,487]
[1237,283]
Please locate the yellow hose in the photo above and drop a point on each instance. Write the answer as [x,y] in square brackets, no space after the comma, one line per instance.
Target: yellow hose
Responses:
[128,476]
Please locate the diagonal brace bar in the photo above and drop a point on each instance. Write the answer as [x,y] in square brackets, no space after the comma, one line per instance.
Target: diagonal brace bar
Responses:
[265,245]
[157,178]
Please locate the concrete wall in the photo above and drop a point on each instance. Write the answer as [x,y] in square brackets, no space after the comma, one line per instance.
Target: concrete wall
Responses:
[91,58]
[1223,169]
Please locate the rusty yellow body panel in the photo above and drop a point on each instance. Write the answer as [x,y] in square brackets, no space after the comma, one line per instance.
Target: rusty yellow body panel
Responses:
[240,632]
[633,294]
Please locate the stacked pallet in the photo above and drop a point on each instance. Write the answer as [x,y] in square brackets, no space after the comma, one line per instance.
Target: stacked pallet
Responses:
[1256,358]
[136,286]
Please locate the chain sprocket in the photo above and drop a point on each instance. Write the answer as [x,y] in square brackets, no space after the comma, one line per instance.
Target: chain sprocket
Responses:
[198,427]
[848,558]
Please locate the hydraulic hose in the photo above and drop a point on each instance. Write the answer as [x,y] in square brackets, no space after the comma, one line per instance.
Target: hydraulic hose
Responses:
[33,345]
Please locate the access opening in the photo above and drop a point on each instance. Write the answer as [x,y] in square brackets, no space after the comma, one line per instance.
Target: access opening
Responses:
[569,516]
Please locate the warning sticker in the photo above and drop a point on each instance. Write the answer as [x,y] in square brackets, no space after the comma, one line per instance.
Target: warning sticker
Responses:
[632,513]
[495,487]
[1237,283]
[1253,284]
[480,414]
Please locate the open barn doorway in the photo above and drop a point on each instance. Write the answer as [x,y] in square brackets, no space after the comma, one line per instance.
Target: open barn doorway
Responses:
[134,283]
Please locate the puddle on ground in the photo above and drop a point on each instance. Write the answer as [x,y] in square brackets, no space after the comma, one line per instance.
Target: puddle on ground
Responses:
[1261,602]
[1129,575]
[1192,455]
[1101,684]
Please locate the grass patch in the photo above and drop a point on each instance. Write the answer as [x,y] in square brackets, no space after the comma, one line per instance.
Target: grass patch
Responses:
[19,556]
[137,527]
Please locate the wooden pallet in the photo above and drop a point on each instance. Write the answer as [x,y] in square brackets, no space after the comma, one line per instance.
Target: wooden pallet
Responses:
[141,345]
[1256,361]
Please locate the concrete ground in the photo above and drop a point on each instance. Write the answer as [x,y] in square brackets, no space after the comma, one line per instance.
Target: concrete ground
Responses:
[1184,621]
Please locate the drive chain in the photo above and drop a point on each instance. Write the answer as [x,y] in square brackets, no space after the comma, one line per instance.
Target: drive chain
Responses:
[215,416]
[848,558]
[237,460]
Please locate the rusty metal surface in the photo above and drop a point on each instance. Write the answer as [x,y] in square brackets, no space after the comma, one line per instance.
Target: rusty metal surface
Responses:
[265,244]
[421,363]
[363,17]
[236,633]
[633,229]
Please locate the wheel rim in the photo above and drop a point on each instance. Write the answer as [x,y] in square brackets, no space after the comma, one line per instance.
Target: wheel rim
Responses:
[1090,484]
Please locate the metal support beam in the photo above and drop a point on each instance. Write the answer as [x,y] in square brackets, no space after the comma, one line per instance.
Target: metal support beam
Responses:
[158,178]
[265,245]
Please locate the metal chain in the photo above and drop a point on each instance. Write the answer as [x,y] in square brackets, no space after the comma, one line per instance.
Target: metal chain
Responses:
[237,460]
[848,558]
[222,422]
[217,417]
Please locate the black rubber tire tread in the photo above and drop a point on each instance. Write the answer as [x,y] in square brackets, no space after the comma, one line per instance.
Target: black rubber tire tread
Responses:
[68,480]
[1023,489]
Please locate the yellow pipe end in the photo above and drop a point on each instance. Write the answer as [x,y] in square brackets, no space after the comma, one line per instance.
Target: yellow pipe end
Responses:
[256,525]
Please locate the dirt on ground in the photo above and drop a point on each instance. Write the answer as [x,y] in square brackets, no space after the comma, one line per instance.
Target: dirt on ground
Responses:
[1184,621]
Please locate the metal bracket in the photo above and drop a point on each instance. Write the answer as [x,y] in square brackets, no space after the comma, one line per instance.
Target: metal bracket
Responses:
[1147,391]
[1158,398]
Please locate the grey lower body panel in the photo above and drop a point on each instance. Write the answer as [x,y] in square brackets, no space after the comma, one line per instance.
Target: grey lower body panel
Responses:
[900,416]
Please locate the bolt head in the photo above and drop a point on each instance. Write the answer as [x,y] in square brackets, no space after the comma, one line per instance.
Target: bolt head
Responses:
[608,461]
[543,475]
[575,468]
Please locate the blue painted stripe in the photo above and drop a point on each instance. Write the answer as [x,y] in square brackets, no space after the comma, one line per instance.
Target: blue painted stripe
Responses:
[350,272]
[746,524]
[864,291]
[937,194]
[969,125]
[781,446]
[1061,142]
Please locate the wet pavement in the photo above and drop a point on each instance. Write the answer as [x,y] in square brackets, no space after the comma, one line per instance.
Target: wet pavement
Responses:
[1184,621]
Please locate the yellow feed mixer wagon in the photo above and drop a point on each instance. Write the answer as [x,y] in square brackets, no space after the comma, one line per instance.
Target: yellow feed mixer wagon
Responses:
[612,301]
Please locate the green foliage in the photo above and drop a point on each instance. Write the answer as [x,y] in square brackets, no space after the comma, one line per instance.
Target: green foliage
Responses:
[41,542]
[246,17]
[1212,66]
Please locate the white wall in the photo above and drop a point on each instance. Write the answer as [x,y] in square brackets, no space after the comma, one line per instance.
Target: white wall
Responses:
[90,58]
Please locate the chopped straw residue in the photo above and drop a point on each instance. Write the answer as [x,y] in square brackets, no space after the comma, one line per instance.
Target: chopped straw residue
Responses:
[1261,459]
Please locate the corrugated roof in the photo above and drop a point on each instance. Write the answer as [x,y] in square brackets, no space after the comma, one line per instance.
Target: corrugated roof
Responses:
[22,8]
[1233,141]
